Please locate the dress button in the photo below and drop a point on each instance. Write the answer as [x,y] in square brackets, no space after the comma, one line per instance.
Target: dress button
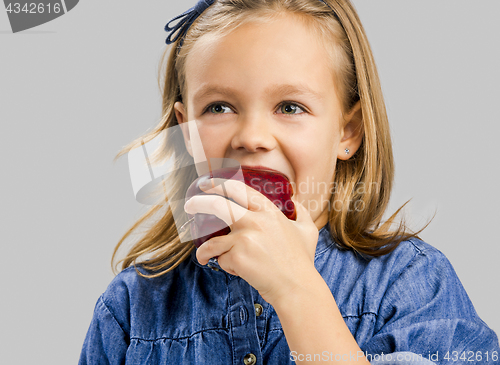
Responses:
[258,309]
[249,359]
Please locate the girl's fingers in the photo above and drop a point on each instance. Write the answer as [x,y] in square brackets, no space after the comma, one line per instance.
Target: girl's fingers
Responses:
[219,247]
[241,193]
[303,214]
[224,209]
[214,247]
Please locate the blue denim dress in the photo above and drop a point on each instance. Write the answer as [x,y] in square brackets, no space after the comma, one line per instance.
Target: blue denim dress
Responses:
[406,307]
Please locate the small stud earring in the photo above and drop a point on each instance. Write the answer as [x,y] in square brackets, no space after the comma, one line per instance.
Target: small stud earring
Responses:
[347,151]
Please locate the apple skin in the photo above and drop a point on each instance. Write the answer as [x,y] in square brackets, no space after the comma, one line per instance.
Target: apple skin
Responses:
[271,183]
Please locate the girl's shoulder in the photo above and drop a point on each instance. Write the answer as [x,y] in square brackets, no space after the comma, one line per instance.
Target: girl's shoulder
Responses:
[417,260]
[412,293]
[412,252]
[416,246]
[126,288]
[409,251]
[129,282]
[422,300]
[414,275]
[419,275]
[415,251]
[417,264]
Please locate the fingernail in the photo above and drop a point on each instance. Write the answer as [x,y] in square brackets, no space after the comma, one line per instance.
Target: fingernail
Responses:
[206,184]
[185,206]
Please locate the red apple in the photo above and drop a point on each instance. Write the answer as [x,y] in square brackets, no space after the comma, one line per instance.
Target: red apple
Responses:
[271,183]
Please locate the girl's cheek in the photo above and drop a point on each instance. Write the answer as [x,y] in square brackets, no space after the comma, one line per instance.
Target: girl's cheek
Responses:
[211,143]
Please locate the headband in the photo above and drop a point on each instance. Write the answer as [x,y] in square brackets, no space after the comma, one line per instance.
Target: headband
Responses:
[188,17]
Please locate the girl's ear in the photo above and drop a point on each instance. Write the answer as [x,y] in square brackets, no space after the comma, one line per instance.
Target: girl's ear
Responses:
[181,116]
[352,133]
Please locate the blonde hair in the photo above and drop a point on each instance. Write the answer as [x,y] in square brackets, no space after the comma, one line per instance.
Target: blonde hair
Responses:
[355,73]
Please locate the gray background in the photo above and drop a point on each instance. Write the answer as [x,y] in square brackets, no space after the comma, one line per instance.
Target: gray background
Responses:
[73,91]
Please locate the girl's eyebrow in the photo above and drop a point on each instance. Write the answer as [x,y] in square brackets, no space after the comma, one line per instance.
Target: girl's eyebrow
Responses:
[274,90]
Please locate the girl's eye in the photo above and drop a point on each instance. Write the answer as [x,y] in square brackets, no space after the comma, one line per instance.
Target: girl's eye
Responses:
[218,108]
[290,108]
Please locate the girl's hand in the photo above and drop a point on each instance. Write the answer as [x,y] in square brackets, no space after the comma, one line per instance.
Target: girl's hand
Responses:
[271,252]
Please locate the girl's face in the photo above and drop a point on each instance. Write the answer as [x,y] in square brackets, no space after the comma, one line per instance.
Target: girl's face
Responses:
[264,95]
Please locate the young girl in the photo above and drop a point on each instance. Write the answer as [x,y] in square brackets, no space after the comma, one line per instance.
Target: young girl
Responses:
[290,85]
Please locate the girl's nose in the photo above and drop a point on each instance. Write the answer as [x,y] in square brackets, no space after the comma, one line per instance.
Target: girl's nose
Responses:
[253,133]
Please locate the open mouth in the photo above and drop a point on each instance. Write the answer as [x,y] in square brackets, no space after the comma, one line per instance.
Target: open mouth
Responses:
[260,167]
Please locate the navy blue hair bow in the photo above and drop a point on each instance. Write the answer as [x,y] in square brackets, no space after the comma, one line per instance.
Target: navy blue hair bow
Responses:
[188,17]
